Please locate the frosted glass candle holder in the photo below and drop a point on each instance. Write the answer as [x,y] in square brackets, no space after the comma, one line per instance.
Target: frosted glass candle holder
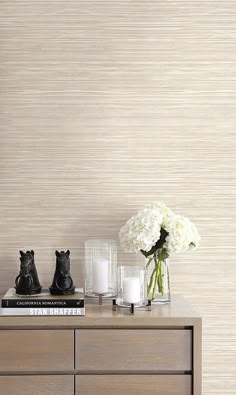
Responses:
[100,268]
[131,286]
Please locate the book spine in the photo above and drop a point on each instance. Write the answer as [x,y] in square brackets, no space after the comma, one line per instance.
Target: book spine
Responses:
[44,311]
[21,304]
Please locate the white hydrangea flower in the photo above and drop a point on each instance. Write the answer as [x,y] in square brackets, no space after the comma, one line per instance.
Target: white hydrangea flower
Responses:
[183,235]
[142,231]
[166,212]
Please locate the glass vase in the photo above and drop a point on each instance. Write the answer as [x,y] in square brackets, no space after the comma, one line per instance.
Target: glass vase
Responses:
[158,279]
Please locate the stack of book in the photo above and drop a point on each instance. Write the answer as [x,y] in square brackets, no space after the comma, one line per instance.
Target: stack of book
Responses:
[43,304]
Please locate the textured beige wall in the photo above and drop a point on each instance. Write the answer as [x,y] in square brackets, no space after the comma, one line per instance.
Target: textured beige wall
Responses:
[107,105]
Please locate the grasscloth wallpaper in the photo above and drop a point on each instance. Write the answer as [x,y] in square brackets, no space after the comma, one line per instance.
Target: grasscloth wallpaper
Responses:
[108,105]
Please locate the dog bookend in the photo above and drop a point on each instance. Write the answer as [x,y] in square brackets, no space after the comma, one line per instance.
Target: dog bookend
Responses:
[62,282]
[27,282]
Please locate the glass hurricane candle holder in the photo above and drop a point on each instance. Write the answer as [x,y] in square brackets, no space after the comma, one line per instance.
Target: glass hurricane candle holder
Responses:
[131,286]
[100,268]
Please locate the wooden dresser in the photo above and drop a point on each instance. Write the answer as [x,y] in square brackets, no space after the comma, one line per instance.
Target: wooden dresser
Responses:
[104,353]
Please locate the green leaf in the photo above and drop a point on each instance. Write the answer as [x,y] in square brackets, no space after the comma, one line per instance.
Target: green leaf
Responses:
[163,254]
[150,252]
[159,244]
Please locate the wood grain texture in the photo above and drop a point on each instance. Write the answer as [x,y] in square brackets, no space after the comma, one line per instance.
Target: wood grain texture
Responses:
[38,385]
[133,385]
[197,358]
[107,105]
[132,350]
[34,350]
[179,314]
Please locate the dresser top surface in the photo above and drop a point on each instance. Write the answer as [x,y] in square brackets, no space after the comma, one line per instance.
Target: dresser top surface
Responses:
[177,313]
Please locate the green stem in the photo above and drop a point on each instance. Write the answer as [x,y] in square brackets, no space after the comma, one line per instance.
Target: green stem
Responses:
[154,287]
[168,276]
[156,280]
[149,261]
[162,277]
[149,287]
[159,277]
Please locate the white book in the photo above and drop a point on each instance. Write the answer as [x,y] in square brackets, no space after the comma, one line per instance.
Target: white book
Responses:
[41,311]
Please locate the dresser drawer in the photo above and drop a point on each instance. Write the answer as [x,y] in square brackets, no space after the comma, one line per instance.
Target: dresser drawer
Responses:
[36,350]
[133,350]
[133,385]
[37,385]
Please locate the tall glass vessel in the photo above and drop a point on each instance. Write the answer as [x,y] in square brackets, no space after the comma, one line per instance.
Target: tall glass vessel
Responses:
[100,268]
[158,280]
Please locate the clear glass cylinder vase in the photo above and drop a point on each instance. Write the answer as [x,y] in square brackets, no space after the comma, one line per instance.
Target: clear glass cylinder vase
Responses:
[158,279]
[100,268]
[131,286]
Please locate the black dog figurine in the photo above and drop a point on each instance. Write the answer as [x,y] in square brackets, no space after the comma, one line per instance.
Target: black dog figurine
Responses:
[62,282]
[27,282]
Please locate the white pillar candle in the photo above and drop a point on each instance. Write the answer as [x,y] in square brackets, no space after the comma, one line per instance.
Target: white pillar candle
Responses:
[100,276]
[131,290]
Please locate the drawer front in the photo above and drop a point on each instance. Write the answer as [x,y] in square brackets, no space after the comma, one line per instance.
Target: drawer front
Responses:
[37,385]
[36,350]
[133,350]
[133,385]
